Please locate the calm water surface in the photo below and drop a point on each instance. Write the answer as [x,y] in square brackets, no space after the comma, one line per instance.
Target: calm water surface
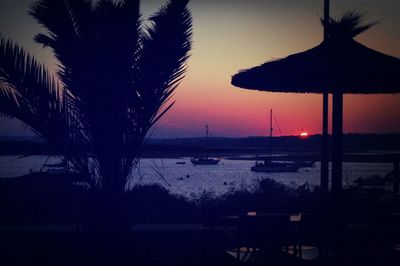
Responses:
[191,181]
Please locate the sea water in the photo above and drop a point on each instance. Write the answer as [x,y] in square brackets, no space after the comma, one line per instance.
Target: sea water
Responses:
[193,180]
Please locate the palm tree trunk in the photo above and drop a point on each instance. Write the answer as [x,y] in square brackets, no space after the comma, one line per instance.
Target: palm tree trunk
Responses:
[112,195]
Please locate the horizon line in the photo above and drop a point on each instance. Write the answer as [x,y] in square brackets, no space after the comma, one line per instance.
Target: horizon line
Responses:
[227,137]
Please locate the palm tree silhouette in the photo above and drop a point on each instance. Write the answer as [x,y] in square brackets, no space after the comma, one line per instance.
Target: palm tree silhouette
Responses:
[115,79]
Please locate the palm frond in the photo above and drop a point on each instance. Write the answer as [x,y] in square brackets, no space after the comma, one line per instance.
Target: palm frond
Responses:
[67,22]
[165,50]
[349,25]
[9,101]
[29,93]
[113,51]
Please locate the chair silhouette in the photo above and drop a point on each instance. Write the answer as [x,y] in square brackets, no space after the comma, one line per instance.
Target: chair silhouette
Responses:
[262,235]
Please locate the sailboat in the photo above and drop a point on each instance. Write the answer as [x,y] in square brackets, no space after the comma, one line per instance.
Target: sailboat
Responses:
[205,160]
[270,166]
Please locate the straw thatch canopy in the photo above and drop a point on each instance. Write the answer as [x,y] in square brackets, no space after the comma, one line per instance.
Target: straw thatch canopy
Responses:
[338,64]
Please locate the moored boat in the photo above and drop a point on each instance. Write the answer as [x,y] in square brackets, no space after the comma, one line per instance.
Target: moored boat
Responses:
[205,161]
[274,167]
[270,166]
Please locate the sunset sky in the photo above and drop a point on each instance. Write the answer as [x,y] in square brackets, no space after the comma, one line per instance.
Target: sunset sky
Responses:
[232,35]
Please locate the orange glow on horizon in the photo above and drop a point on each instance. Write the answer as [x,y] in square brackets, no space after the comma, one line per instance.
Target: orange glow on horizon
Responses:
[304,134]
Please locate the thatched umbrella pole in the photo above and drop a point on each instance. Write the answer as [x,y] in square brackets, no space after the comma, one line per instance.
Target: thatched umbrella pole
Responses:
[325,149]
[325,136]
[337,131]
[337,152]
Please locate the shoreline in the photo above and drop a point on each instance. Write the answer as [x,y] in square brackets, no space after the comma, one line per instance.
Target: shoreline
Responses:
[366,156]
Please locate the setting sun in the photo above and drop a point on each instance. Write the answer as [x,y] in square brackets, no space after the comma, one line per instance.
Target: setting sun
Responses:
[304,134]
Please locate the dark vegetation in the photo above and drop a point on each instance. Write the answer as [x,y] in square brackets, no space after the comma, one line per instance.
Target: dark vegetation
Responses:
[43,198]
[61,219]
[47,200]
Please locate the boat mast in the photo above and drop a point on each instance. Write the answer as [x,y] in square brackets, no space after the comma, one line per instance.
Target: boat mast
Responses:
[207,137]
[270,134]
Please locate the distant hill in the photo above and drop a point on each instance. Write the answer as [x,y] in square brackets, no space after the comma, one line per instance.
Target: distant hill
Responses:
[389,142]
[351,143]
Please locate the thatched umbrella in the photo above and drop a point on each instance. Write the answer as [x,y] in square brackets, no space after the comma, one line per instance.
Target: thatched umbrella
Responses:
[338,65]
